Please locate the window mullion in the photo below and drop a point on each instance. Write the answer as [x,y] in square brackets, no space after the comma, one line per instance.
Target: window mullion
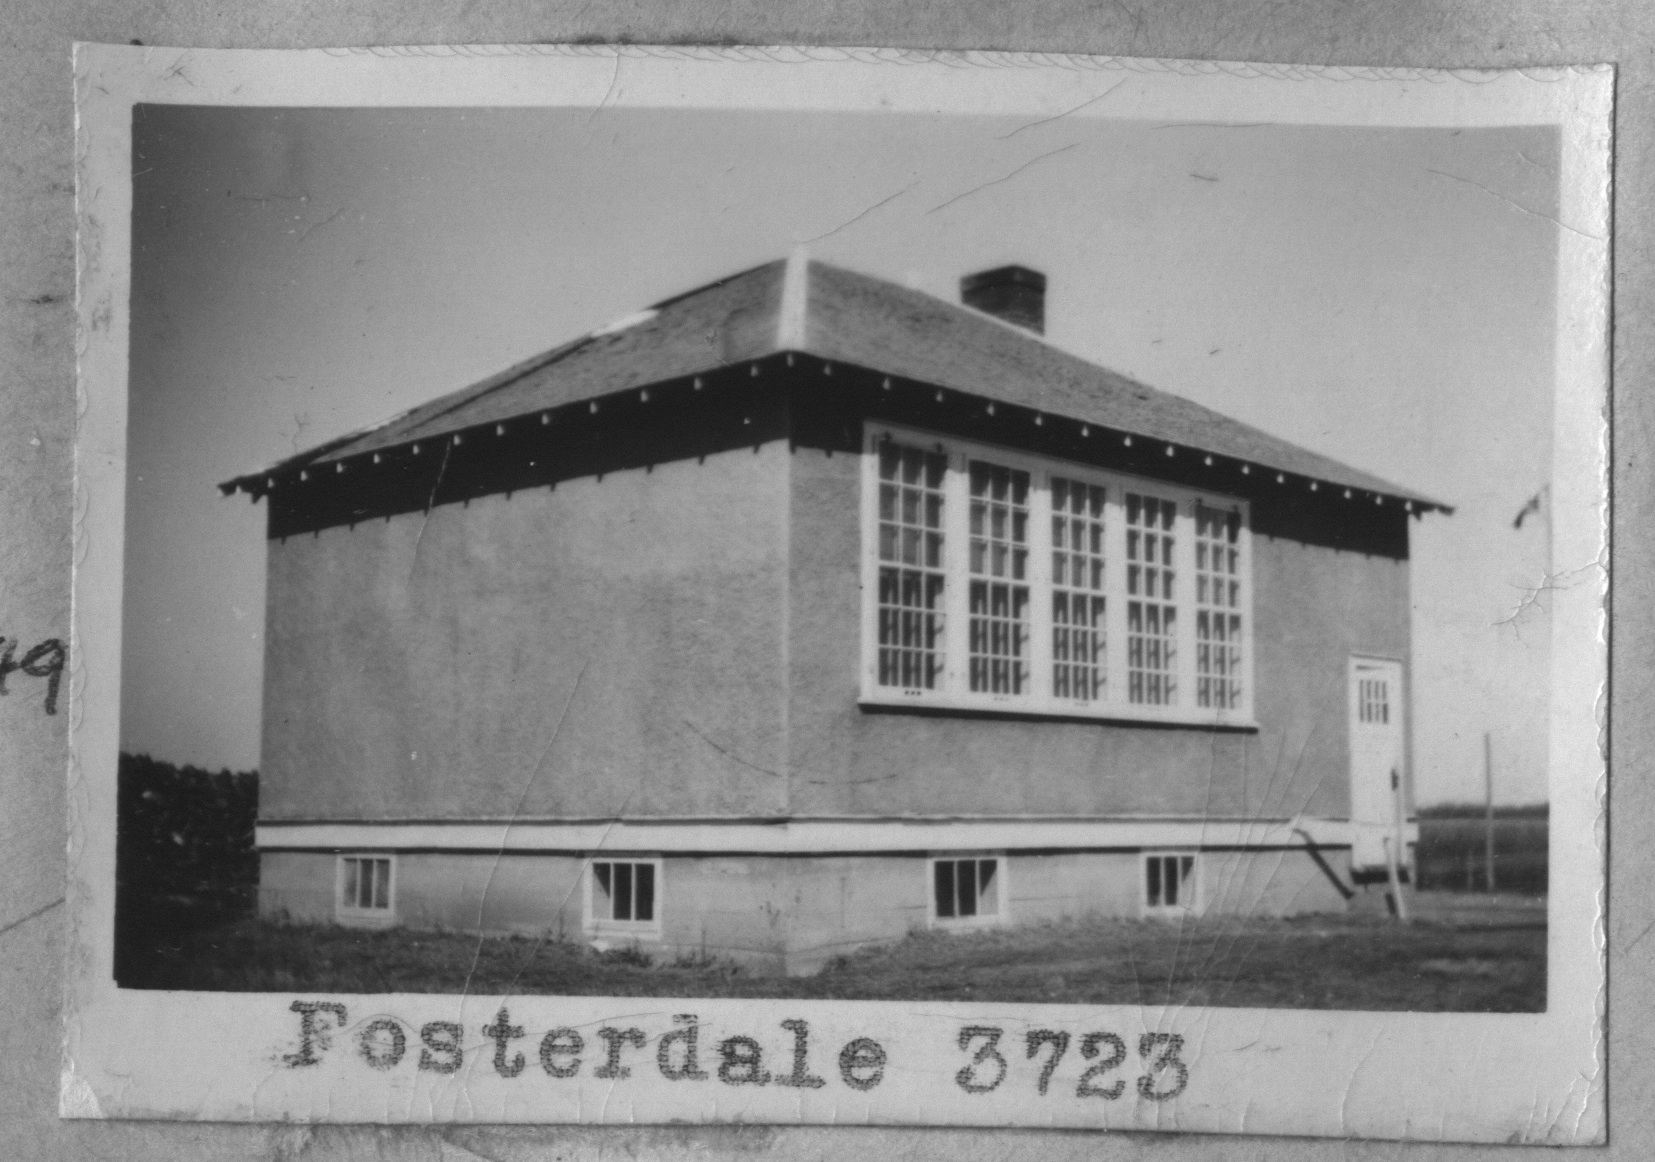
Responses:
[1114,572]
[1040,586]
[1183,592]
[870,565]
[957,569]
[1244,545]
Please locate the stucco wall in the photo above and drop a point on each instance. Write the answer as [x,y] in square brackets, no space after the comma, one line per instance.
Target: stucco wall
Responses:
[1313,607]
[418,667]
[701,620]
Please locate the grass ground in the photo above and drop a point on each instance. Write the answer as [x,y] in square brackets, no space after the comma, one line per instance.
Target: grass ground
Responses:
[1464,954]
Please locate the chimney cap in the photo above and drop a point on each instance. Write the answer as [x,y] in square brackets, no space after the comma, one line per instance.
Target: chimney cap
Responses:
[1012,275]
[1012,294]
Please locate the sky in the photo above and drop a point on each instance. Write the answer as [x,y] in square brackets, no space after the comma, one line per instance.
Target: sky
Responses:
[1382,296]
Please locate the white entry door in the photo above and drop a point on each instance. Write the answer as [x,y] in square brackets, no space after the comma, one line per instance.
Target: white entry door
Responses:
[1376,756]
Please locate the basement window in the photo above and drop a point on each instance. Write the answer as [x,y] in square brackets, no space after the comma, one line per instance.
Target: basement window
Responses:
[1004,582]
[623,896]
[366,888]
[1171,883]
[967,891]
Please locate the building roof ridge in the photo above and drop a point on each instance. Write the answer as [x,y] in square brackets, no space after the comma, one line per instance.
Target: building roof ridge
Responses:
[793,312]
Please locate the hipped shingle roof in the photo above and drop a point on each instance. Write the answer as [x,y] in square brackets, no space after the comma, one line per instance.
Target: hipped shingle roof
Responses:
[845,317]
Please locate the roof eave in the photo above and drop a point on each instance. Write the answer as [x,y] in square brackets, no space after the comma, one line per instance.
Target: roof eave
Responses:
[259,484]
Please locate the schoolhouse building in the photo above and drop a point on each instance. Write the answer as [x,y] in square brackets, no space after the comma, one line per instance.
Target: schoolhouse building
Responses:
[805,610]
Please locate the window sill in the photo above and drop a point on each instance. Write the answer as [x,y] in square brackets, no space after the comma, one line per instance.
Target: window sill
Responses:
[1178,912]
[364,918]
[954,706]
[623,930]
[966,923]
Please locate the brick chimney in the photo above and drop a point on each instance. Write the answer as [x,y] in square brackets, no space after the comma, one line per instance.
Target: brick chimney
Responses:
[1013,293]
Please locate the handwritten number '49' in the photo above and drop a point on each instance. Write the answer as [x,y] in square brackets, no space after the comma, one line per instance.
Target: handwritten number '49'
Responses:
[47,660]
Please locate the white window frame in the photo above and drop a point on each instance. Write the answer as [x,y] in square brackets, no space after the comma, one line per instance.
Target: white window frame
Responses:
[1190,889]
[953,691]
[1002,897]
[599,926]
[355,914]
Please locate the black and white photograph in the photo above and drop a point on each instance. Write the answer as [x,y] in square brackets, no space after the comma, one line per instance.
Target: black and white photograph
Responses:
[1072,563]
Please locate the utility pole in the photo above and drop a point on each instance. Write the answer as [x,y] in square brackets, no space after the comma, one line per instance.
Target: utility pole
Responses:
[1488,810]
[1394,848]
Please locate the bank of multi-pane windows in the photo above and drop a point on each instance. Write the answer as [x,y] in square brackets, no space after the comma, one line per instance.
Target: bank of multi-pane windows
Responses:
[1218,607]
[910,566]
[1078,601]
[1000,582]
[999,579]
[1151,606]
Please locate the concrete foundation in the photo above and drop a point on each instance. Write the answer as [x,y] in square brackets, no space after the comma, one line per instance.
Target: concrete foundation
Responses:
[780,913]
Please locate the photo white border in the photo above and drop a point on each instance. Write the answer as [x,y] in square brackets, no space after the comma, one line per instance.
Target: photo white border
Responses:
[1447,1077]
